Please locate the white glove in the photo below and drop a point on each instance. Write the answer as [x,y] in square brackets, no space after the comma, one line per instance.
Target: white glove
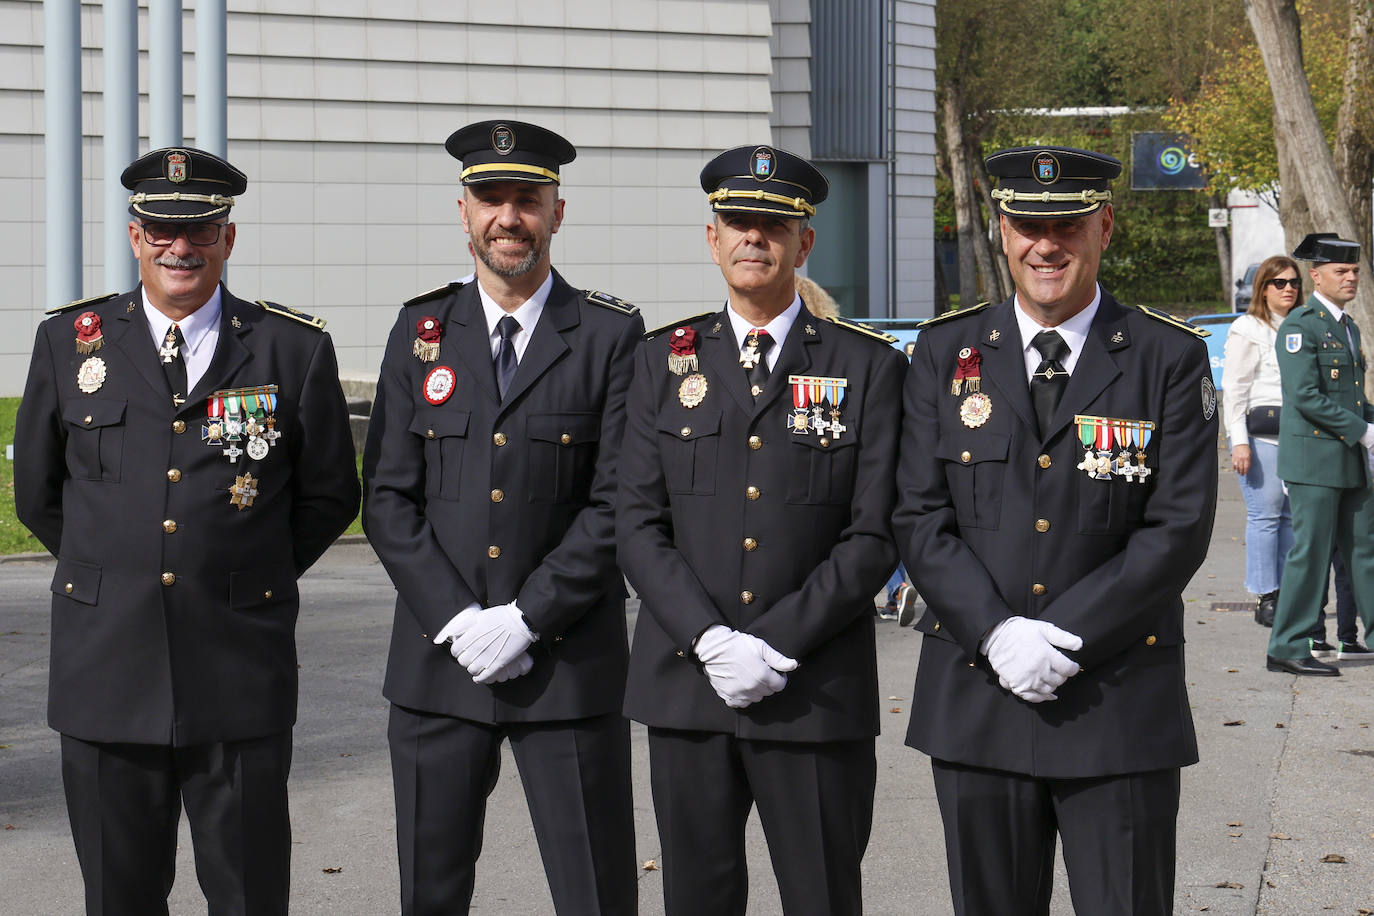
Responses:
[742,668]
[493,640]
[1023,653]
[1367,440]
[458,624]
[521,666]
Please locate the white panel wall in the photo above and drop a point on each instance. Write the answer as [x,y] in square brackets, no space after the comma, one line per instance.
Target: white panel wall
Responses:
[790,44]
[338,111]
[914,198]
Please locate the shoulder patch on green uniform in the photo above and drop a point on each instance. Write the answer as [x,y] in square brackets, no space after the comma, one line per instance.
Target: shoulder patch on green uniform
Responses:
[681,322]
[951,315]
[437,293]
[860,328]
[607,301]
[287,311]
[94,300]
[1174,320]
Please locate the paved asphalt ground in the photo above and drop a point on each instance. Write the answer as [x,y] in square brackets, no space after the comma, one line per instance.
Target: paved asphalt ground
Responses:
[1284,786]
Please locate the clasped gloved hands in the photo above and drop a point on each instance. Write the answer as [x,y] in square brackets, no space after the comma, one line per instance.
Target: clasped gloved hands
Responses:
[490,643]
[1025,654]
[742,668]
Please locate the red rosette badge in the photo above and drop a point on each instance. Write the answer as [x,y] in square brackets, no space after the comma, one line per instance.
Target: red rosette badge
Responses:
[88,336]
[968,371]
[428,331]
[682,354]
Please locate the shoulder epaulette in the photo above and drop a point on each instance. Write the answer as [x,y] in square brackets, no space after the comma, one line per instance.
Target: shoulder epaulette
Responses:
[437,293]
[865,329]
[1174,320]
[607,301]
[287,311]
[94,300]
[681,322]
[951,315]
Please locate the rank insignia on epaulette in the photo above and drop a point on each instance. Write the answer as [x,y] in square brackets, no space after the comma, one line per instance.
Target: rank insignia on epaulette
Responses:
[606,300]
[817,404]
[93,300]
[428,332]
[287,311]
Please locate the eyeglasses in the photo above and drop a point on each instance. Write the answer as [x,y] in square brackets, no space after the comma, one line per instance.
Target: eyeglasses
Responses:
[1285,282]
[198,234]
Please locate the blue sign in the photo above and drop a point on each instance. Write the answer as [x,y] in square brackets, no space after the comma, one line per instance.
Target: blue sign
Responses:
[1160,161]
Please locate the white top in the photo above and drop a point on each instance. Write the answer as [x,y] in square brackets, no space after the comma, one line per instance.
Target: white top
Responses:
[527,315]
[1251,375]
[777,329]
[1074,331]
[200,329]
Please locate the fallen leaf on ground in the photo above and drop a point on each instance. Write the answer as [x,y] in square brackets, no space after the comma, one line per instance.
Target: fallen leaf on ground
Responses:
[1235,722]
[1235,834]
[332,869]
[1279,836]
[11,827]
[1232,670]
[1234,824]
[650,865]
[1231,885]
[1279,725]
[1334,858]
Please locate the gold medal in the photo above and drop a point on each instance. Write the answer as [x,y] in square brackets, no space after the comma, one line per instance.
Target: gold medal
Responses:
[975,410]
[244,491]
[91,375]
[692,391]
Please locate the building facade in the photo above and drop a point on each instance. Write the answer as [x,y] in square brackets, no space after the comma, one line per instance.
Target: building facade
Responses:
[338,110]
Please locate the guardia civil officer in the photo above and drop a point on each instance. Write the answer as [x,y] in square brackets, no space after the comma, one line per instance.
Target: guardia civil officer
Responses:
[1325,435]
[1056,489]
[489,496]
[186,456]
[755,495]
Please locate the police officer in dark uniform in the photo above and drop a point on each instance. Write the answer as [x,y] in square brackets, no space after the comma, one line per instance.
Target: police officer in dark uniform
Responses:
[489,496]
[1325,434]
[755,494]
[1057,485]
[185,455]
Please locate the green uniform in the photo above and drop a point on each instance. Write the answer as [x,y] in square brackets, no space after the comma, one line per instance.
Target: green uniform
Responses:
[1325,412]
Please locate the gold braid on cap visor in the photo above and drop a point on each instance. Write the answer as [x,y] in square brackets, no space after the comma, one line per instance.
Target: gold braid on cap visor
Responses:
[796,203]
[1090,200]
[219,201]
[507,167]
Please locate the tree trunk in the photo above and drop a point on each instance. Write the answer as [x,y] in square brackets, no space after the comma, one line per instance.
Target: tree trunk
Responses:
[1294,215]
[982,250]
[1223,234]
[993,235]
[1278,34]
[1354,152]
[965,209]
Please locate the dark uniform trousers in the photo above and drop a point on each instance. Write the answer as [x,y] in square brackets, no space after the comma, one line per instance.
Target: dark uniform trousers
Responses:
[173,675]
[1325,467]
[995,519]
[475,498]
[727,515]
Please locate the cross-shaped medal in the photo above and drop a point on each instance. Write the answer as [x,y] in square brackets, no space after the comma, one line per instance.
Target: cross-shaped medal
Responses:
[232,453]
[243,492]
[749,356]
[168,350]
[836,427]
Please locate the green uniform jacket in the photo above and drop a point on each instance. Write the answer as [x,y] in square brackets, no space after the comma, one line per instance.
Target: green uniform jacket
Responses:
[1325,408]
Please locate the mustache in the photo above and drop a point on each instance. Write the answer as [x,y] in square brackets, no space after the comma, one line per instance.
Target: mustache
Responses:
[171,260]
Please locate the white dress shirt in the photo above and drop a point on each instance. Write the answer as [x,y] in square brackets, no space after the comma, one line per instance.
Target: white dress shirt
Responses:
[527,315]
[1074,331]
[777,329]
[200,329]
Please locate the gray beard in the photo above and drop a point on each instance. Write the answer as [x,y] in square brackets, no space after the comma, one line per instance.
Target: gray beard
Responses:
[525,265]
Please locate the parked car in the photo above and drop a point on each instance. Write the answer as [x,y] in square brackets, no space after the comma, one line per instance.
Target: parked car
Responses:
[1245,288]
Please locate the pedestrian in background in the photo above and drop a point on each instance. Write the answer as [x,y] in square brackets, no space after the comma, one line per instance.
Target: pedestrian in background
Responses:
[1252,398]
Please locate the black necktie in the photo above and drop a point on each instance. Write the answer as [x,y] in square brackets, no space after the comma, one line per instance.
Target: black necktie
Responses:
[1047,385]
[754,358]
[506,364]
[174,363]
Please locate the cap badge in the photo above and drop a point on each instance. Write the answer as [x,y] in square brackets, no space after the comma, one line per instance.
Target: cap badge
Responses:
[178,166]
[1045,168]
[503,139]
[762,164]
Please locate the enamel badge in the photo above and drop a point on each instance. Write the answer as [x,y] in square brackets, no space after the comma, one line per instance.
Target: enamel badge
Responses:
[975,410]
[692,391]
[682,352]
[439,384]
[88,335]
[91,375]
[428,330]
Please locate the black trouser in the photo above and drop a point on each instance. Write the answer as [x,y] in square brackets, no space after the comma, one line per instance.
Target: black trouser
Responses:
[124,801]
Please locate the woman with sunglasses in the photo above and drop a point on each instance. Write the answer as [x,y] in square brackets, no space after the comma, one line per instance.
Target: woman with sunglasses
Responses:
[1252,396]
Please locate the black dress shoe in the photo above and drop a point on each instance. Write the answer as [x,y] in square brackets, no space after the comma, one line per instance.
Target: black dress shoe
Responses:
[1265,607]
[1307,665]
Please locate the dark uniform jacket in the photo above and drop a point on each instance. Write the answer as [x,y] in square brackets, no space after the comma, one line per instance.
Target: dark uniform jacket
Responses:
[481,500]
[995,521]
[1325,409]
[726,516]
[174,611]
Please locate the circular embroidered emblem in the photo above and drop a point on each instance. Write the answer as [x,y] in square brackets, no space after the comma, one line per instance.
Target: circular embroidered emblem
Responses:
[502,139]
[1045,168]
[439,384]
[1209,398]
